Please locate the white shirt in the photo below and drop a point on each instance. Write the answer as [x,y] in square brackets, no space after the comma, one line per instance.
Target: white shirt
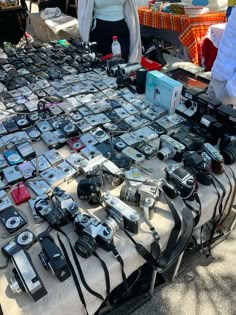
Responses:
[109,10]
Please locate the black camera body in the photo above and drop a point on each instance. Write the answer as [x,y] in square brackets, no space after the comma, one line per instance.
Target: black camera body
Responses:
[206,105]
[90,189]
[227,116]
[199,166]
[182,180]
[52,258]
[191,140]
[55,216]
[228,148]
[92,233]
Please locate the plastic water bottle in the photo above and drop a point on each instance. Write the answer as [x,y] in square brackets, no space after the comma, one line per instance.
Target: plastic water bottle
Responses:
[115,47]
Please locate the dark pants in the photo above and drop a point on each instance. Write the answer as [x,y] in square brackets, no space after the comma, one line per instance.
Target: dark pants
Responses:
[103,32]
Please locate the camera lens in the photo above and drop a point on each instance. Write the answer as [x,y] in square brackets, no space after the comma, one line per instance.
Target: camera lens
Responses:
[229,154]
[85,246]
[165,154]
[15,284]
[111,224]
[129,194]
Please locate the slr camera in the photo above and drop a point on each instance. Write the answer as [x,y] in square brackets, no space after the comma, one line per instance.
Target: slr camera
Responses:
[170,149]
[92,233]
[183,182]
[55,216]
[52,258]
[228,148]
[198,165]
[65,202]
[90,189]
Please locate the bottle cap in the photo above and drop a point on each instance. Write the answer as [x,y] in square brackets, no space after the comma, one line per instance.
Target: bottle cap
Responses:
[114,37]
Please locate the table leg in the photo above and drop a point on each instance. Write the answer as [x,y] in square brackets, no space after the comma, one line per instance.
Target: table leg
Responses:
[177,266]
[153,281]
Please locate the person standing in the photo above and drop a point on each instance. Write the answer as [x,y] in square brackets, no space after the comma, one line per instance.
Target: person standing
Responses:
[231,4]
[100,20]
[223,73]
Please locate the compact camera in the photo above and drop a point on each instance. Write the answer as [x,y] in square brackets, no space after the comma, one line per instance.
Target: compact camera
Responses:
[24,240]
[12,219]
[51,257]
[26,277]
[92,233]
[170,149]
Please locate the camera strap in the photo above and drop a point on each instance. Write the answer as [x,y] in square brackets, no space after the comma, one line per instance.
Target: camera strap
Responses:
[198,211]
[121,262]
[233,196]
[106,272]
[221,210]
[183,240]
[72,270]
[142,251]
[91,291]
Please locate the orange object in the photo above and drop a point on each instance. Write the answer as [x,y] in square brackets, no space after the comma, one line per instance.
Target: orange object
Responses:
[191,29]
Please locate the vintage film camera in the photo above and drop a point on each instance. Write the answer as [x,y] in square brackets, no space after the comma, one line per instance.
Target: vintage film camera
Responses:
[217,160]
[25,276]
[170,149]
[55,216]
[228,148]
[90,189]
[92,233]
[143,196]
[65,202]
[51,257]
[198,165]
[122,213]
[183,182]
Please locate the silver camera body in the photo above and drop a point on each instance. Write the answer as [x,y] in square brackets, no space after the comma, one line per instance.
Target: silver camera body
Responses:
[170,149]
[26,277]
[121,212]
[65,202]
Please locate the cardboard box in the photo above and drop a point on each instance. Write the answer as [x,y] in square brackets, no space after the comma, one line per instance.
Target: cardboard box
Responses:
[163,91]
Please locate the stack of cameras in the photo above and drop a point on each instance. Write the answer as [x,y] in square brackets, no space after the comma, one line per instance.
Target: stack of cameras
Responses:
[63,97]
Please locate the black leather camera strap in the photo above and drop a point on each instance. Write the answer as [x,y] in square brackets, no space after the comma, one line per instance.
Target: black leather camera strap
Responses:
[72,270]
[99,296]
[142,251]
[106,272]
[232,196]
[221,210]
[121,262]
[198,211]
[165,256]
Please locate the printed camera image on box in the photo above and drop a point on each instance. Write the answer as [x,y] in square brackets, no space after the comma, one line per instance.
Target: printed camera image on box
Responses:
[163,91]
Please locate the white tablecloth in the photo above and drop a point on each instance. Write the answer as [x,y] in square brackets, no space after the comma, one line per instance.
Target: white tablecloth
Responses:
[62,298]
